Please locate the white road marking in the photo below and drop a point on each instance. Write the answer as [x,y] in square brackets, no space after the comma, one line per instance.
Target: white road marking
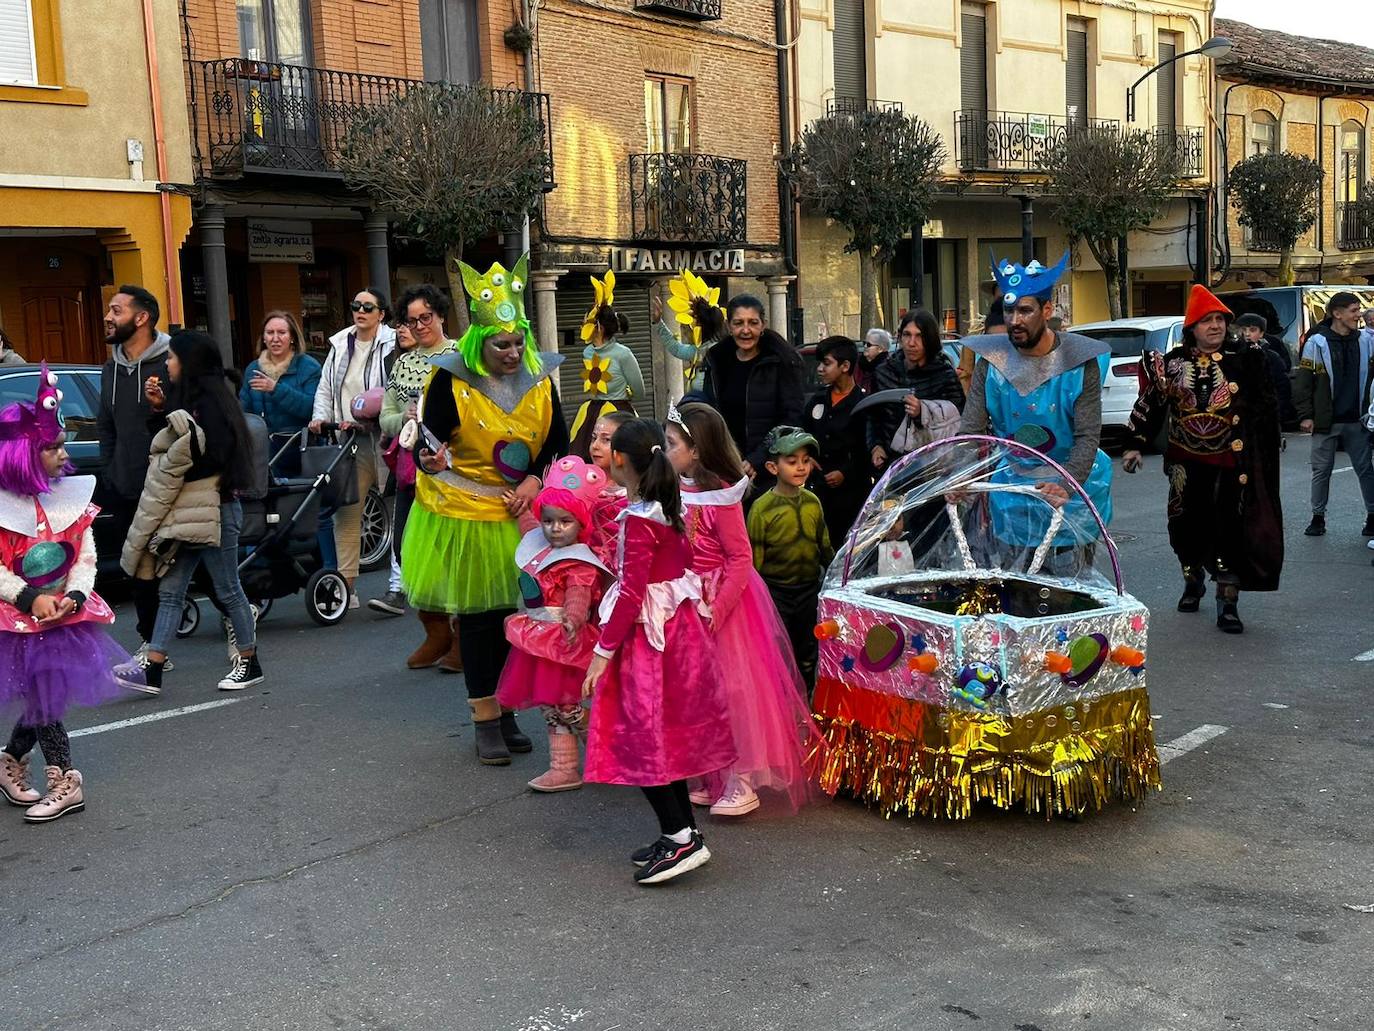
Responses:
[1365,656]
[1274,705]
[152,717]
[1171,750]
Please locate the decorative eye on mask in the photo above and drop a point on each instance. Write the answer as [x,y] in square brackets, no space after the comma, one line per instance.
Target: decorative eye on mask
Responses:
[486,295]
[50,403]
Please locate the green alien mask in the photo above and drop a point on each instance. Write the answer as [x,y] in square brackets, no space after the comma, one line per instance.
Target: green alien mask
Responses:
[497,298]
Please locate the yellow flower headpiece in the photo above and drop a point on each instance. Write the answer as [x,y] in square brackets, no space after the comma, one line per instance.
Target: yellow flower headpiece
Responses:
[605,298]
[691,298]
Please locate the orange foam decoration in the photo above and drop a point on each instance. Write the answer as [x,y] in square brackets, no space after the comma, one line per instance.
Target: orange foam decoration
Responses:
[1056,662]
[827,630]
[926,662]
[1124,656]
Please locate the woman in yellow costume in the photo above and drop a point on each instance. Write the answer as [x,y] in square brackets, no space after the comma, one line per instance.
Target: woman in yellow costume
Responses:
[610,372]
[489,424]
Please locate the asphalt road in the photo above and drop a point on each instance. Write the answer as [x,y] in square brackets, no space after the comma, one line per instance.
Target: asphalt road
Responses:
[325,852]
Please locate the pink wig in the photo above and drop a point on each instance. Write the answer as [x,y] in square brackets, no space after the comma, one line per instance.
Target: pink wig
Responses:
[572,485]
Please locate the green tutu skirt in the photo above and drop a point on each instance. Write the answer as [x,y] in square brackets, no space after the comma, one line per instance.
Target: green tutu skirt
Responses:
[459,565]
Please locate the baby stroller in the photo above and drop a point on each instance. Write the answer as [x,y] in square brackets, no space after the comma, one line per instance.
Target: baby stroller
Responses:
[279,546]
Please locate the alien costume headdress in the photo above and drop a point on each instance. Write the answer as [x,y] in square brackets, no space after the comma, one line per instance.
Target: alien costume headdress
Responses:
[1015,280]
[496,301]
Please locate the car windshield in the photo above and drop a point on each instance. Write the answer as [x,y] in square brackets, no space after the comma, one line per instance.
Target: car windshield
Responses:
[1129,341]
[78,403]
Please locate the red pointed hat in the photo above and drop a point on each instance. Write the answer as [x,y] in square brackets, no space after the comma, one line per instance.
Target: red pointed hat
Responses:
[1201,303]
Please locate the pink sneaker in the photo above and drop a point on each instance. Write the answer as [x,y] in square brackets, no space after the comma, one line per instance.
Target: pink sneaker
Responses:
[738,800]
[64,796]
[14,780]
[563,774]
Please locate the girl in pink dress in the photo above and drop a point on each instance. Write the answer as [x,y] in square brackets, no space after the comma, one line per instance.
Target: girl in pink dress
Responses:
[610,502]
[659,715]
[772,725]
[53,651]
[561,580]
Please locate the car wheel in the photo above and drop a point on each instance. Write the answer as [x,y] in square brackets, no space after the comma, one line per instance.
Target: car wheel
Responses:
[375,533]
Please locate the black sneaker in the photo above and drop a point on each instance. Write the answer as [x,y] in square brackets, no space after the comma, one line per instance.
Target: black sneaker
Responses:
[672,860]
[1317,527]
[641,856]
[392,603]
[1369,525]
[247,672]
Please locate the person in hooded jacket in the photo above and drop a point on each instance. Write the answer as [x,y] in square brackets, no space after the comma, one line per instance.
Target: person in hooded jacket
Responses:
[1254,329]
[140,355]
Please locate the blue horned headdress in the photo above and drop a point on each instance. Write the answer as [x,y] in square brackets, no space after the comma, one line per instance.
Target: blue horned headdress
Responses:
[1015,281]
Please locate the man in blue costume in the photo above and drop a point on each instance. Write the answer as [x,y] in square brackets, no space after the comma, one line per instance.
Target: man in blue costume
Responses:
[1042,389]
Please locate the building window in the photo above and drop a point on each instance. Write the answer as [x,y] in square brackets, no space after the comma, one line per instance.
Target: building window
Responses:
[1167,82]
[448,40]
[668,114]
[973,57]
[18,61]
[849,42]
[1076,73]
[1264,133]
[274,30]
[1350,172]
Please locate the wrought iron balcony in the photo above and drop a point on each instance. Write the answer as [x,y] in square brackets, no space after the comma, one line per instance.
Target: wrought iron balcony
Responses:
[257,117]
[688,198]
[1011,141]
[843,106]
[1354,226]
[1261,241]
[700,10]
[1184,143]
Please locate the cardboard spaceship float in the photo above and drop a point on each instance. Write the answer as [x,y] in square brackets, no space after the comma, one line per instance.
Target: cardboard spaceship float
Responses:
[971,649]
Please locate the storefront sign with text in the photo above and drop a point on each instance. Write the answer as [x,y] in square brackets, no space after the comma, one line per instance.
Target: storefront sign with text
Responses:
[275,241]
[669,261]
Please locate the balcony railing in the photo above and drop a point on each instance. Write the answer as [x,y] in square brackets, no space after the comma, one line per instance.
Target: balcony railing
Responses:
[701,10]
[261,117]
[844,106]
[688,198]
[1185,145]
[1354,226]
[1009,141]
[1260,240]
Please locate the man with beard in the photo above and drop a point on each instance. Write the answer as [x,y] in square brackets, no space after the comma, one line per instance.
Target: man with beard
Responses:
[1042,389]
[1222,459]
[140,354]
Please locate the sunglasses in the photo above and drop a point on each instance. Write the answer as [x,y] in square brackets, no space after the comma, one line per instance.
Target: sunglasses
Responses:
[366,307]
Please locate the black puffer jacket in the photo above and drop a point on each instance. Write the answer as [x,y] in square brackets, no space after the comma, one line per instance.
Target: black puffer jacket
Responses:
[774,396]
[936,380]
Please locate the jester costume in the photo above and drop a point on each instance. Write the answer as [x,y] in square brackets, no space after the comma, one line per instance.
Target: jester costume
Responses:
[498,431]
[1221,461]
[610,372]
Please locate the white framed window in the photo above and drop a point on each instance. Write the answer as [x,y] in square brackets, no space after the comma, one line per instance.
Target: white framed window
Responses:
[1264,133]
[18,66]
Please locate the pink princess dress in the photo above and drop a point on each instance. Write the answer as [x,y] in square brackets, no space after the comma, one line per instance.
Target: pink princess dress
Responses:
[606,509]
[772,726]
[658,714]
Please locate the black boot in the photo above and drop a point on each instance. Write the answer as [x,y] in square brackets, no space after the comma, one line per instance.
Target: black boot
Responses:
[486,723]
[1194,589]
[1228,619]
[513,736]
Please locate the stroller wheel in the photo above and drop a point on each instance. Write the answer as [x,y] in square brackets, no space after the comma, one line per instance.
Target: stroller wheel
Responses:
[326,597]
[190,618]
[264,606]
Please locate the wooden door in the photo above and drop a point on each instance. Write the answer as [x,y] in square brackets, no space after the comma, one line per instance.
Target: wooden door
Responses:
[55,325]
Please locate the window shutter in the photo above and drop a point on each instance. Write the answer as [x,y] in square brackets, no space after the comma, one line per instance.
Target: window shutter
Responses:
[1076,73]
[850,44]
[973,58]
[1167,77]
[16,43]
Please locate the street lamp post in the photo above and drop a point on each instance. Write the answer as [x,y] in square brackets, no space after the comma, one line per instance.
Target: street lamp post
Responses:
[1217,46]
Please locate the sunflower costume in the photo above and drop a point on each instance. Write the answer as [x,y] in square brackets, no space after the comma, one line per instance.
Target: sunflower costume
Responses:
[610,372]
[697,305]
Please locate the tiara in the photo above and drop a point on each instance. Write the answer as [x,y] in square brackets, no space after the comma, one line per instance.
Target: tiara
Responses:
[675,417]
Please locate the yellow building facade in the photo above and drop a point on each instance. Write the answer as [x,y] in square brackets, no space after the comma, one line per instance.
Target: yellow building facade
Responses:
[1000,81]
[94,169]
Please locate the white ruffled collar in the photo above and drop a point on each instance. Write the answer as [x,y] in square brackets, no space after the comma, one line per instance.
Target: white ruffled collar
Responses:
[534,547]
[63,505]
[722,496]
[650,510]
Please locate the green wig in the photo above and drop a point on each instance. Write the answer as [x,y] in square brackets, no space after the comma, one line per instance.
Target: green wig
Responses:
[470,347]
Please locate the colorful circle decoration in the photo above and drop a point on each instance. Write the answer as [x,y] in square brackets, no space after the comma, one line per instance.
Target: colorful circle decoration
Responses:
[1087,653]
[1036,436]
[512,459]
[978,683]
[883,646]
[47,563]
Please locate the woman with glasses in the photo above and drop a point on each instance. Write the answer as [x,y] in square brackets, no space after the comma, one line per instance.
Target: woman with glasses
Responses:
[357,363]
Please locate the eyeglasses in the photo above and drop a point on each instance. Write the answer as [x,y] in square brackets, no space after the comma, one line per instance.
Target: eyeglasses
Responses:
[420,320]
[366,307]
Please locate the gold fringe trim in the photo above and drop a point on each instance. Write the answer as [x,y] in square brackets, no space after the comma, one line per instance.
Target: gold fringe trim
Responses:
[946,761]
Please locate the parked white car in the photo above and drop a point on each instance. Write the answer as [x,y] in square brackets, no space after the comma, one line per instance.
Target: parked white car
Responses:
[1129,339]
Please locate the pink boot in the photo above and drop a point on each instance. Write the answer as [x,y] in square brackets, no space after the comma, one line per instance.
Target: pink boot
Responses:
[563,774]
[14,780]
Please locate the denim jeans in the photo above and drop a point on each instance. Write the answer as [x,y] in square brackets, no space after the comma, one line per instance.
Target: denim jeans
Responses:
[1355,439]
[222,565]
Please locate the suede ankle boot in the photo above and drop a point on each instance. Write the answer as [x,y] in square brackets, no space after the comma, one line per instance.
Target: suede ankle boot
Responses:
[1194,589]
[14,780]
[438,640]
[452,662]
[512,735]
[1228,618]
[64,796]
[563,773]
[486,722]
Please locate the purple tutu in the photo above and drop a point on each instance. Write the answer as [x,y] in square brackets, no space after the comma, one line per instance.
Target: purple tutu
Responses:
[45,674]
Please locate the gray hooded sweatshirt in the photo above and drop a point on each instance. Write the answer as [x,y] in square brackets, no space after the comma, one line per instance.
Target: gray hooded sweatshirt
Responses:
[122,422]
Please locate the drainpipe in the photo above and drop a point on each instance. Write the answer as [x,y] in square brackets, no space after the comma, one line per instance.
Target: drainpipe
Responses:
[1321,190]
[169,250]
[785,205]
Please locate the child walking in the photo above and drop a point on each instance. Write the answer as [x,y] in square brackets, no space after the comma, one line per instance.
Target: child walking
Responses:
[561,580]
[769,718]
[659,716]
[844,466]
[53,654]
[791,542]
[608,505]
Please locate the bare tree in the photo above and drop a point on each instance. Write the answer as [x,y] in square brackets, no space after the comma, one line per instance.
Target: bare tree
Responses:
[1107,184]
[1275,195]
[874,172]
[451,163]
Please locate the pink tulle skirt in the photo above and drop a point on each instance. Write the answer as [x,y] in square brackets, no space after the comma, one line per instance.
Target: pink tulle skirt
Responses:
[542,668]
[769,717]
[43,675]
[659,716]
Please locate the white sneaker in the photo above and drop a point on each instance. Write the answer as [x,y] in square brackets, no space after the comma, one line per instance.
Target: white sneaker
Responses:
[230,638]
[738,800]
[1369,545]
[353,602]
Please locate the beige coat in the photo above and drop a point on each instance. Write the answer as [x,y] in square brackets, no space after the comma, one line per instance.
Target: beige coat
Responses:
[171,511]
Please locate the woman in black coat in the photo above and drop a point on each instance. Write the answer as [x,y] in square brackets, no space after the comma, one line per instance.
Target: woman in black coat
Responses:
[920,366]
[754,379]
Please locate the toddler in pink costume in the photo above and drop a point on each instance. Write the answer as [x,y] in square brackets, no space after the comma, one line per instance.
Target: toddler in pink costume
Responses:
[610,502]
[772,725]
[53,652]
[659,715]
[561,580]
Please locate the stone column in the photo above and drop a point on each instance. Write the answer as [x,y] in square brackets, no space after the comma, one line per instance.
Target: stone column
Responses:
[211,223]
[544,286]
[378,256]
[777,304]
